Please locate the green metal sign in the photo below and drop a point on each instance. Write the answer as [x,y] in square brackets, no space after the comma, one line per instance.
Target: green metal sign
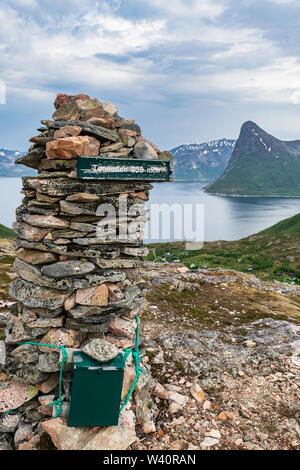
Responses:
[104,168]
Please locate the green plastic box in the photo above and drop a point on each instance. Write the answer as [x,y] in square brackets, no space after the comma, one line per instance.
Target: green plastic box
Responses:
[96,391]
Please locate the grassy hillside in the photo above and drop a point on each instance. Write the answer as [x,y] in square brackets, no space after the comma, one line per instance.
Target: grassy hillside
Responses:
[273,253]
[287,226]
[6,232]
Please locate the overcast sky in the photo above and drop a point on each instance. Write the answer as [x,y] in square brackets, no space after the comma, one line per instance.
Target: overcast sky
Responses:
[186,70]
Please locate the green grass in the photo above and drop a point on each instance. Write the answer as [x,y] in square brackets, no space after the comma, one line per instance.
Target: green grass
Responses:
[289,226]
[6,232]
[273,254]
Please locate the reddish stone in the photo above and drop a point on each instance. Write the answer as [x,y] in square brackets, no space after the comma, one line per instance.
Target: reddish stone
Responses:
[60,337]
[49,384]
[95,438]
[115,292]
[70,302]
[13,394]
[32,444]
[141,195]
[93,296]
[120,327]
[102,122]
[70,147]
[62,99]
[36,256]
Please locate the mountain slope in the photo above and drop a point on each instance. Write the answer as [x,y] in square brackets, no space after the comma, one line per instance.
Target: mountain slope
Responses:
[260,165]
[202,162]
[7,164]
[290,226]
[6,232]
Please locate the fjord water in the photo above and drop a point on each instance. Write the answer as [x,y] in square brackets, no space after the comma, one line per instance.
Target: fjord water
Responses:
[226,218]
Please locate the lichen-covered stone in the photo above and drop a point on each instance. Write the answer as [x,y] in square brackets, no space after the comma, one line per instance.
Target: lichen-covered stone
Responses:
[13,394]
[100,350]
[36,296]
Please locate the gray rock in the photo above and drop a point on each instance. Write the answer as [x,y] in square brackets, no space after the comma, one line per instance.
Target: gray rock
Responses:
[132,126]
[33,158]
[44,312]
[68,234]
[64,186]
[81,311]
[73,208]
[6,441]
[27,353]
[31,274]
[82,227]
[9,422]
[49,362]
[68,268]
[100,350]
[144,151]
[26,373]
[79,325]
[36,296]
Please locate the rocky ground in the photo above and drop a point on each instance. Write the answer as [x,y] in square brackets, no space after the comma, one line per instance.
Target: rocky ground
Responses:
[224,351]
[228,361]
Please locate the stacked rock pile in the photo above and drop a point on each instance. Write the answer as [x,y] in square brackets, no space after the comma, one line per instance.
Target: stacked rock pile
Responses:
[74,287]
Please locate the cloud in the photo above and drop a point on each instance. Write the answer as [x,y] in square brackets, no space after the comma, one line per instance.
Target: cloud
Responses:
[169,54]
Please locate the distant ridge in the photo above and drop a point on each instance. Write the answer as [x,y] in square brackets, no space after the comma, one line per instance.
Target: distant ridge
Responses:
[260,165]
[202,162]
[7,164]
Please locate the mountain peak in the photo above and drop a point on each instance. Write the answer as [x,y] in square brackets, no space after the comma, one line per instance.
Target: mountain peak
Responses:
[261,165]
[202,162]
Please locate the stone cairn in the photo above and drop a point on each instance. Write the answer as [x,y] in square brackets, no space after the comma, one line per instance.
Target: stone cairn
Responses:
[72,288]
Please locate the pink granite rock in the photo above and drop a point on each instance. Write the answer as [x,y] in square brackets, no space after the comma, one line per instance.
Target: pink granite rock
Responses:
[93,296]
[109,438]
[13,394]
[70,147]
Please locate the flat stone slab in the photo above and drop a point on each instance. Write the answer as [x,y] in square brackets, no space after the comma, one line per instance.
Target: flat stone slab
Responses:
[89,129]
[36,296]
[64,186]
[68,268]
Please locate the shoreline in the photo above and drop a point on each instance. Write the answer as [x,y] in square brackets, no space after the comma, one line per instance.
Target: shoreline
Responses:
[249,195]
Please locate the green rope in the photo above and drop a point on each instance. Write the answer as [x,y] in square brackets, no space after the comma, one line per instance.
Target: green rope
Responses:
[58,402]
[137,361]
